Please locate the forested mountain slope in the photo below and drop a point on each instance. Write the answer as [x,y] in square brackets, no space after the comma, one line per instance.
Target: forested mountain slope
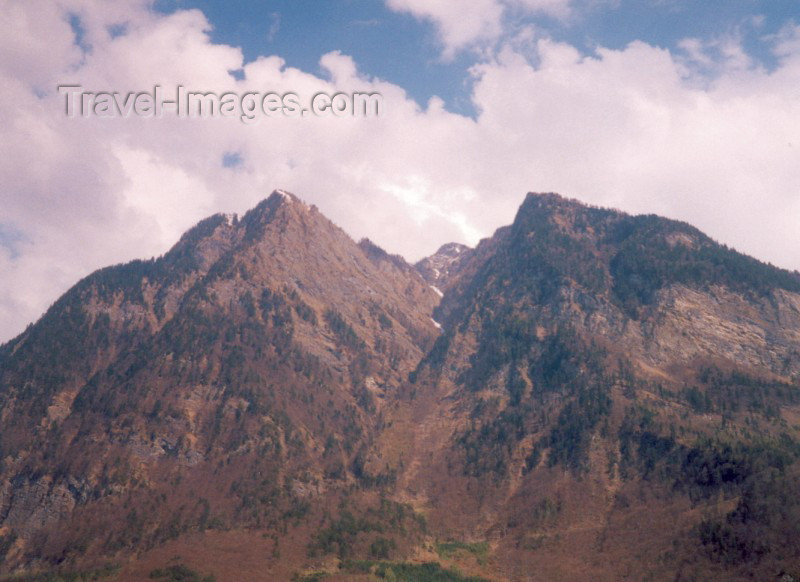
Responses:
[609,396]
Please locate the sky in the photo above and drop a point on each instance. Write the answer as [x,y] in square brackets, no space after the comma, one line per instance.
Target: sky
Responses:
[685,108]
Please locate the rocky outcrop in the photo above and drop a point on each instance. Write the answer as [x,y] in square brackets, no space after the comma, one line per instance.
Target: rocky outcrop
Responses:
[29,505]
[444,264]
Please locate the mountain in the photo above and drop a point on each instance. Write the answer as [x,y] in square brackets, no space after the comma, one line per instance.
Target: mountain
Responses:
[599,373]
[271,400]
[224,384]
[444,264]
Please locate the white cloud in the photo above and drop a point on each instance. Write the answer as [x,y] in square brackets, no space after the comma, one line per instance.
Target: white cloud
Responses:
[787,41]
[458,24]
[625,128]
[474,24]
[557,8]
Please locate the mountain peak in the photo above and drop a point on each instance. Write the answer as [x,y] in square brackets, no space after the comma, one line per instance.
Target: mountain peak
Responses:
[438,268]
[284,197]
[277,199]
[553,202]
[553,196]
[452,249]
[541,199]
[280,207]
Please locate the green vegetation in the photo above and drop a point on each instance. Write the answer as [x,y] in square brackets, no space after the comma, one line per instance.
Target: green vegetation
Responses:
[179,573]
[55,350]
[709,467]
[426,572]
[758,473]
[646,262]
[561,368]
[569,438]
[732,392]
[342,533]
[478,549]
[488,446]
[765,525]
[381,548]
[103,573]
[556,244]
[507,337]
[542,255]
[343,331]
[406,571]
[546,511]
[384,321]
[435,357]
[6,541]
[305,312]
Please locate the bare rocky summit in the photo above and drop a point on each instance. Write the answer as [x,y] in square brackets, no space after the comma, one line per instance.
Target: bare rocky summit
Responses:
[439,268]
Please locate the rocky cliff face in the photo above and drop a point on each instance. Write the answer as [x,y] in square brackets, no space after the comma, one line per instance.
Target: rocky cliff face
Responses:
[271,397]
[659,289]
